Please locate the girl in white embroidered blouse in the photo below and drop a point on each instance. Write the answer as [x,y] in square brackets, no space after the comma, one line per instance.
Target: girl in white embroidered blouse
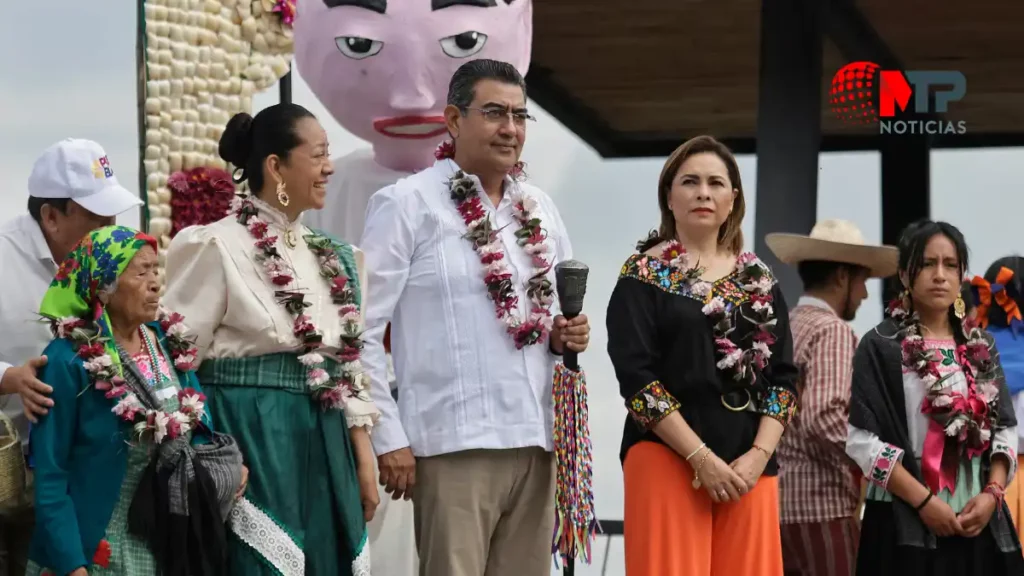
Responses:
[932,426]
[278,318]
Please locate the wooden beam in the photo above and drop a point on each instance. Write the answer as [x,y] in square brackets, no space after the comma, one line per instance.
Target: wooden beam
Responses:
[543,88]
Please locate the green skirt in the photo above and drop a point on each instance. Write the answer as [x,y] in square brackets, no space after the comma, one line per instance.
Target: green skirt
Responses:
[301,513]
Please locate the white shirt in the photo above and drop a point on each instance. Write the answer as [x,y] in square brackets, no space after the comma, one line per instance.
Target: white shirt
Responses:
[462,383]
[215,281]
[28,266]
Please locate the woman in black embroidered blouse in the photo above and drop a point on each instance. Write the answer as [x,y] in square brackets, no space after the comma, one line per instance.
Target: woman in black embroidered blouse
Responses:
[699,337]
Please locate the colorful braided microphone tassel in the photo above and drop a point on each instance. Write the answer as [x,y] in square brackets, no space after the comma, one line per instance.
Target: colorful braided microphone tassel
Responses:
[575,519]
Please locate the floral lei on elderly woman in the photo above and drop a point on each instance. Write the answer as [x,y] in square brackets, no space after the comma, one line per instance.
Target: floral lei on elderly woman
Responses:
[75,311]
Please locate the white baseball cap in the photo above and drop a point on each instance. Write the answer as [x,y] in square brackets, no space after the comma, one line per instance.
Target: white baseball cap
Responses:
[79,170]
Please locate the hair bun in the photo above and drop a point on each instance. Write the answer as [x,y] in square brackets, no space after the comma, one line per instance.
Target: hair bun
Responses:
[236,142]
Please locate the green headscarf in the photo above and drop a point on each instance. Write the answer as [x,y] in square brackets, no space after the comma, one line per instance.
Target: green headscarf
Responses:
[96,262]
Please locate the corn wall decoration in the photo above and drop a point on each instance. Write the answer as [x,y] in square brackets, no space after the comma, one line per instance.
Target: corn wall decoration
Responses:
[201,61]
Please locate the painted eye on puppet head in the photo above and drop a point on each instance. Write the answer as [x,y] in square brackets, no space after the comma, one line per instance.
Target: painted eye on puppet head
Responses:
[464,45]
[358,48]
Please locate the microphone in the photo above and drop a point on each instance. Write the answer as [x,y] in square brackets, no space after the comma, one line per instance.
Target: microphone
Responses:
[571,283]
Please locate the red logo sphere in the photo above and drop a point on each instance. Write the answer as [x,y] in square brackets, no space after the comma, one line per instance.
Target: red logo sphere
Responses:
[853,93]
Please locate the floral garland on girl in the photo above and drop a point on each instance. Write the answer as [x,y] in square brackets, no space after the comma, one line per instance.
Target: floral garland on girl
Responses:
[967,419]
[753,276]
[536,325]
[106,377]
[332,394]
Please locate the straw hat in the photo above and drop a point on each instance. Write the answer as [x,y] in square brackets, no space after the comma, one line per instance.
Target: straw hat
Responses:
[834,241]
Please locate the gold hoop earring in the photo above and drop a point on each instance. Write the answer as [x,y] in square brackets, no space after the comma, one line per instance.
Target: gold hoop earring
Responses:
[282,196]
[959,307]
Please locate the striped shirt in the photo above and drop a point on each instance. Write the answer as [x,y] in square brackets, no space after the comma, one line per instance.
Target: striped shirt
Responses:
[816,478]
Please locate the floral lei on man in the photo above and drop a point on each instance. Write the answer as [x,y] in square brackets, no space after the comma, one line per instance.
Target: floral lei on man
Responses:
[966,419]
[106,377]
[332,394]
[536,326]
[755,279]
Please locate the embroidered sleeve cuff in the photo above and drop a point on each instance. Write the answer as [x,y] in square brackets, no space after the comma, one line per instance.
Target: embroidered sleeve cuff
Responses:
[651,404]
[1011,455]
[779,403]
[884,462]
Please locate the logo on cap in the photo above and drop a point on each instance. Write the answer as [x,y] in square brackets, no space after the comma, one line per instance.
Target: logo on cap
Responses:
[101,168]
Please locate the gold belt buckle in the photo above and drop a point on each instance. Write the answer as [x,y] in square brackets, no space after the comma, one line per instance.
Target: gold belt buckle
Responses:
[741,408]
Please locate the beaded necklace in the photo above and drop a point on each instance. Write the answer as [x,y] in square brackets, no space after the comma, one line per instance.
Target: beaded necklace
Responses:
[154,358]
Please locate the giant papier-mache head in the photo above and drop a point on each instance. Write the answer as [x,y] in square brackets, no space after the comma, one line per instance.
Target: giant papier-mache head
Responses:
[382,66]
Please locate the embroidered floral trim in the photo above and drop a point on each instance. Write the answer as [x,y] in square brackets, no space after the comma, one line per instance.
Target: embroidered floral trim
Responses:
[331,394]
[651,404]
[779,403]
[108,378]
[657,272]
[747,292]
[535,326]
[885,461]
[1011,455]
[268,540]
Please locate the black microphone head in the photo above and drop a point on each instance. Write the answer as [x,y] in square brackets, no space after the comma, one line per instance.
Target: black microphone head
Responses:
[571,283]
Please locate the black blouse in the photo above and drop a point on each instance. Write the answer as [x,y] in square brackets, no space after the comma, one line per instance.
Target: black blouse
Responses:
[662,346]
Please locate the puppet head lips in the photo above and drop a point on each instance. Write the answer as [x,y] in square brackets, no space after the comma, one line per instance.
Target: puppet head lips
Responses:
[411,127]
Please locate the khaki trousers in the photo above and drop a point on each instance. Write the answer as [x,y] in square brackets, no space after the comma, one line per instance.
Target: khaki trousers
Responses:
[485,513]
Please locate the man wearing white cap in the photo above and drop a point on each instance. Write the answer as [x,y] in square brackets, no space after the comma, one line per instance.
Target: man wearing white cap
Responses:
[818,487]
[72,191]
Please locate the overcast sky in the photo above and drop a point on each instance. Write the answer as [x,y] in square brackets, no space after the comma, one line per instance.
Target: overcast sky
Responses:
[67,68]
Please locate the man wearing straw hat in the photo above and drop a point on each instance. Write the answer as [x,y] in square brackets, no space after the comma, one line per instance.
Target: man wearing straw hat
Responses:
[72,191]
[818,485]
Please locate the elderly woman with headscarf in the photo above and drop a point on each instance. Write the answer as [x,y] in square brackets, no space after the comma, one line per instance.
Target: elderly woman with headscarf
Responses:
[130,478]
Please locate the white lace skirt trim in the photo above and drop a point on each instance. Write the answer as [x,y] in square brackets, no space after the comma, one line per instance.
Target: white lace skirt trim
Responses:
[361,565]
[266,538]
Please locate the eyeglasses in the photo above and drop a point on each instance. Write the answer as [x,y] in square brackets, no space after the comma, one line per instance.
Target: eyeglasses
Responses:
[496,115]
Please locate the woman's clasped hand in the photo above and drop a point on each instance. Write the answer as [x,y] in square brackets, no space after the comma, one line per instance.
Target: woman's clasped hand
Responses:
[727,482]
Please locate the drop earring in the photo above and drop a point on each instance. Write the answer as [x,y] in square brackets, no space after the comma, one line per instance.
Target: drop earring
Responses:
[959,307]
[282,195]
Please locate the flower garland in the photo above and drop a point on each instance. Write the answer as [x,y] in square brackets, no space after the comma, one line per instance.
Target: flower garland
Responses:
[753,276]
[199,196]
[106,377]
[332,394]
[966,418]
[286,8]
[497,276]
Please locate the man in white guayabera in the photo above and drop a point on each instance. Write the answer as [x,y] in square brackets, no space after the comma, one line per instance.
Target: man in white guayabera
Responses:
[460,260]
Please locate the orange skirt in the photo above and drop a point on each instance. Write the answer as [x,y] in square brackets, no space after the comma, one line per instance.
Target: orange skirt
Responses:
[673,530]
[1015,499]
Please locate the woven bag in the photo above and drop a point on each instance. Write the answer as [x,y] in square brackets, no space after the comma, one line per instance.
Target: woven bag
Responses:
[12,463]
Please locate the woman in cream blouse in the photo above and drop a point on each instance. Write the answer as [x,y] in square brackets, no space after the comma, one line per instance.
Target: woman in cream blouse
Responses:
[275,309]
